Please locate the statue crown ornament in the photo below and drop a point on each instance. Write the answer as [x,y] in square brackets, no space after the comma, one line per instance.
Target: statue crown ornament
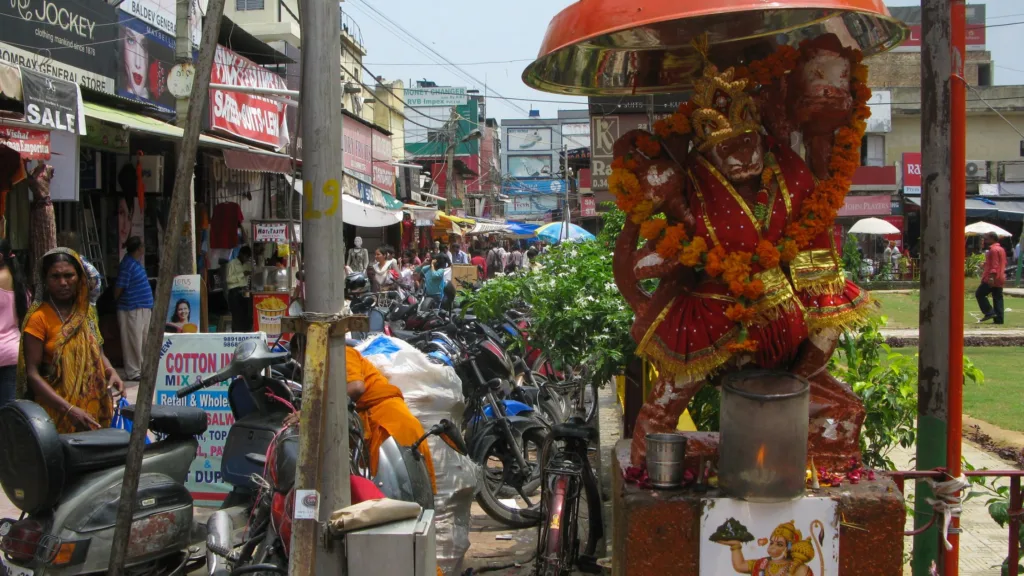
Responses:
[723,108]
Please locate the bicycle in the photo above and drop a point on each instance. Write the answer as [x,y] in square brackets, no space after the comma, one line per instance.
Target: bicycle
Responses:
[563,541]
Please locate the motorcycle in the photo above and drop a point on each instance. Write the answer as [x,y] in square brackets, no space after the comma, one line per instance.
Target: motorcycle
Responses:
[68,487]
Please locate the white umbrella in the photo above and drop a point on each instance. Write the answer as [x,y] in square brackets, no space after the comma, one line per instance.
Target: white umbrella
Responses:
[983,228]
[875,226]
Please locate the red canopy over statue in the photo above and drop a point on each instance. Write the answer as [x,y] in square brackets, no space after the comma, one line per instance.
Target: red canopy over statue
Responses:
[619,47]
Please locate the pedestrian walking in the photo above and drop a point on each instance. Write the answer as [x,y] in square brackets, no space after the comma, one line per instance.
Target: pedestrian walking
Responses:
[14,300]
[62,366]
[134,299]
[458,255]
[480,262]
[993,278]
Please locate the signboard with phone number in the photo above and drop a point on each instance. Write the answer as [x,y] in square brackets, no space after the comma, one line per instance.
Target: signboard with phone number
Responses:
[185,358]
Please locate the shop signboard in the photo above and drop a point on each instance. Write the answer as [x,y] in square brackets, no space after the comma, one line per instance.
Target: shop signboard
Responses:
[276,232]
[875,205]
[974,30]
[268,309]
[535,187]
[71,40]
[30,144]
[576,136]
[185,314]
[185,358]
[103,136]
[249,116]
[604,131]
[162,15]
[912,173]
[147,56]
[383,171]
[531,205]
[357,146]
[588,206]
[51,103]
[438,96]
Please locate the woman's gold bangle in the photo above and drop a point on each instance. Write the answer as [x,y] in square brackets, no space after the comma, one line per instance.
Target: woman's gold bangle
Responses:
[68,411]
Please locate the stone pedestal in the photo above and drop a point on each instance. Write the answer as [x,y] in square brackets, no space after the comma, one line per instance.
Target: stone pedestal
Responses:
[657,532]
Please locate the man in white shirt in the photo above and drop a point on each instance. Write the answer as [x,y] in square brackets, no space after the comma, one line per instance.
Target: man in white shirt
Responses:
[239,301]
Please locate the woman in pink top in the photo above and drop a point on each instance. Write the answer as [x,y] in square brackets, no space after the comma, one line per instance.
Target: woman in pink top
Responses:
[13,306]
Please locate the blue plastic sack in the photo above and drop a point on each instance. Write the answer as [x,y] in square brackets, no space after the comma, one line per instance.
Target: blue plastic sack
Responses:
[380,345]
[120,422]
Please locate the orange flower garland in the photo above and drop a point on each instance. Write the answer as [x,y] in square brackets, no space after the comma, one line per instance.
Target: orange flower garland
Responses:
[817,213]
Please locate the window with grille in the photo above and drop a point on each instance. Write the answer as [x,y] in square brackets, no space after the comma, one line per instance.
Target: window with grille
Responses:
[246,5]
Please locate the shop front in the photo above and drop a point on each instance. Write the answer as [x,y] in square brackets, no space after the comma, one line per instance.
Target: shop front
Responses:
[371,213]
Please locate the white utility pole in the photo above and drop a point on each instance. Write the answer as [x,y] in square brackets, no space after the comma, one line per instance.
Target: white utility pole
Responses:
[183,56]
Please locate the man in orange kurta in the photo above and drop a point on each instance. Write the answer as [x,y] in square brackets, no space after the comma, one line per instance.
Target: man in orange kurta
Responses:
[382,409]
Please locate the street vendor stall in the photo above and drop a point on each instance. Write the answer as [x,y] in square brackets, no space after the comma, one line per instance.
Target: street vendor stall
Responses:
[736,223]
[275,244]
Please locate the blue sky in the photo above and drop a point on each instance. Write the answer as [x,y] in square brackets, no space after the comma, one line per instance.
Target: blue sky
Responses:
[506,35]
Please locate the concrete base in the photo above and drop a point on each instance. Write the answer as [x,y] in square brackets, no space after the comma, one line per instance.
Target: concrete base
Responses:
[657,532]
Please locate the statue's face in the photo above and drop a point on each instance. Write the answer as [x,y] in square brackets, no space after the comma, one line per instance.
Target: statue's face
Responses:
[777,548]
[740,158]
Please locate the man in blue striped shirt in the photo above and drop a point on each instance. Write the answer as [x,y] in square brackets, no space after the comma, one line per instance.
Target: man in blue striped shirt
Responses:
[134,305]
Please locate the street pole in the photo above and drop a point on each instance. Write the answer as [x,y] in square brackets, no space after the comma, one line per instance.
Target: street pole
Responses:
[565,175]
[182,55]
[957,255]
[449,159]
[174,239]
[323,451]
[935,322]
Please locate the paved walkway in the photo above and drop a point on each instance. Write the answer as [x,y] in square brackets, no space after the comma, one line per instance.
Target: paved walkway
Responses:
[909,337]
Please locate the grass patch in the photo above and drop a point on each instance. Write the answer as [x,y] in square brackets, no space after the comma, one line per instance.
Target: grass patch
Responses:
[903,309]
[998,400]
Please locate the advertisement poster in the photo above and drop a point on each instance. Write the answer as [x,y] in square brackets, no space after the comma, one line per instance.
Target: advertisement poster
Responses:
[912,173]
[357,146]
[383,171]
[254,118]
[72,41]
[185,312]
[52,103]
[267,312]
[146,55]
[534,166]
[777,538]
[184,358]
[162,14]
[529,139]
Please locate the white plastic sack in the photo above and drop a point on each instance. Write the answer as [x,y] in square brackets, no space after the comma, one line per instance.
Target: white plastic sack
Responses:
[433,392]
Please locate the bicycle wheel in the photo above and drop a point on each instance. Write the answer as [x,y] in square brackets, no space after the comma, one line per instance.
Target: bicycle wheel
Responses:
[521,508]
[571,522]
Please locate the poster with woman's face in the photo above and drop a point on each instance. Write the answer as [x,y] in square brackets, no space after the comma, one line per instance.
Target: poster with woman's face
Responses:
[184,314]
[146,57]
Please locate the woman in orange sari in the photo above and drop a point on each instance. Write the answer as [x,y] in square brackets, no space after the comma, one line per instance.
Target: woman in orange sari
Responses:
[61,365]
[383,411]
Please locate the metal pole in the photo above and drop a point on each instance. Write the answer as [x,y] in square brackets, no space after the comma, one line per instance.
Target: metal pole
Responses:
[957,222]
[182,55]
[449,159]
[933,401]
[323,452]
[181,199]
[565,181]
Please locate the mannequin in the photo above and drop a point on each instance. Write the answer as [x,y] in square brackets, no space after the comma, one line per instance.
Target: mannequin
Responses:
[358,259]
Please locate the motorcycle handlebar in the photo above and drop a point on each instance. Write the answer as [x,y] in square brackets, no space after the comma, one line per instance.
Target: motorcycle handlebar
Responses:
[200,384]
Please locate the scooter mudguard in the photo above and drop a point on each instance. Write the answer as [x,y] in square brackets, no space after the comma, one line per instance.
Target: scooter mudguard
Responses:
[512,408]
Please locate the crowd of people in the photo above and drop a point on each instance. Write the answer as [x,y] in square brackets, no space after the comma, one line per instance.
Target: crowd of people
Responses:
[431,270]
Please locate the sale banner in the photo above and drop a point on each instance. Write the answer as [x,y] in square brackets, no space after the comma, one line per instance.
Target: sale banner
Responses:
[184,359]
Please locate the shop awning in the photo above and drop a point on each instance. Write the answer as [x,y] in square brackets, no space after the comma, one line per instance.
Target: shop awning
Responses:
[1010,210]
[145,125]
[255,162]
[488,228]
[358,213]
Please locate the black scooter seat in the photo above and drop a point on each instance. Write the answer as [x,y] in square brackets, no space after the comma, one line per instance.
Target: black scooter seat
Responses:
[405,335]
[174,421]
[95,450]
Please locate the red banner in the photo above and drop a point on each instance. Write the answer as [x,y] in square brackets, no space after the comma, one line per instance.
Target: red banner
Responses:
[383,171]
[255,118]
[974,37]
[357,147]
[30,144]
[880,205]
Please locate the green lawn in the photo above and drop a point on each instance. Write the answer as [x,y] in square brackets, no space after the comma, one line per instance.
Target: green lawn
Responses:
[999,400]
[902,310]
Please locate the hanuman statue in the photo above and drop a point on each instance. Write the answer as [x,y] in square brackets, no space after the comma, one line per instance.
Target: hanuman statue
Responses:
[737,228]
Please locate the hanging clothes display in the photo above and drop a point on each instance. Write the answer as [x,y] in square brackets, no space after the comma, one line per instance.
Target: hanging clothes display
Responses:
[227,217]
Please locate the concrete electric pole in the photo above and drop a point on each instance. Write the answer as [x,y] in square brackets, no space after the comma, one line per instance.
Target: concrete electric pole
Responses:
[449,160]
[183,58]
[324,449]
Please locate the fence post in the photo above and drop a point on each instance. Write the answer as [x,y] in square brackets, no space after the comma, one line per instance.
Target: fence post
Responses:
[1015,504]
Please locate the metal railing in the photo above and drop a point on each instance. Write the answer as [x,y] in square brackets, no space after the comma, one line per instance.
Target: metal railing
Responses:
[1013,513]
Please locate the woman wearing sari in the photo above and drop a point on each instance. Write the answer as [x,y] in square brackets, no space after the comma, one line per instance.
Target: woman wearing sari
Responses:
[62,366]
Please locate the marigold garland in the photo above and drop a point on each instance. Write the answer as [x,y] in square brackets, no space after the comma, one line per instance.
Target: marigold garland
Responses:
[817,212]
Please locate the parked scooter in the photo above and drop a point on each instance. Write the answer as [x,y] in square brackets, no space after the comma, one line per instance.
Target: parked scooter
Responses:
[69,488]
